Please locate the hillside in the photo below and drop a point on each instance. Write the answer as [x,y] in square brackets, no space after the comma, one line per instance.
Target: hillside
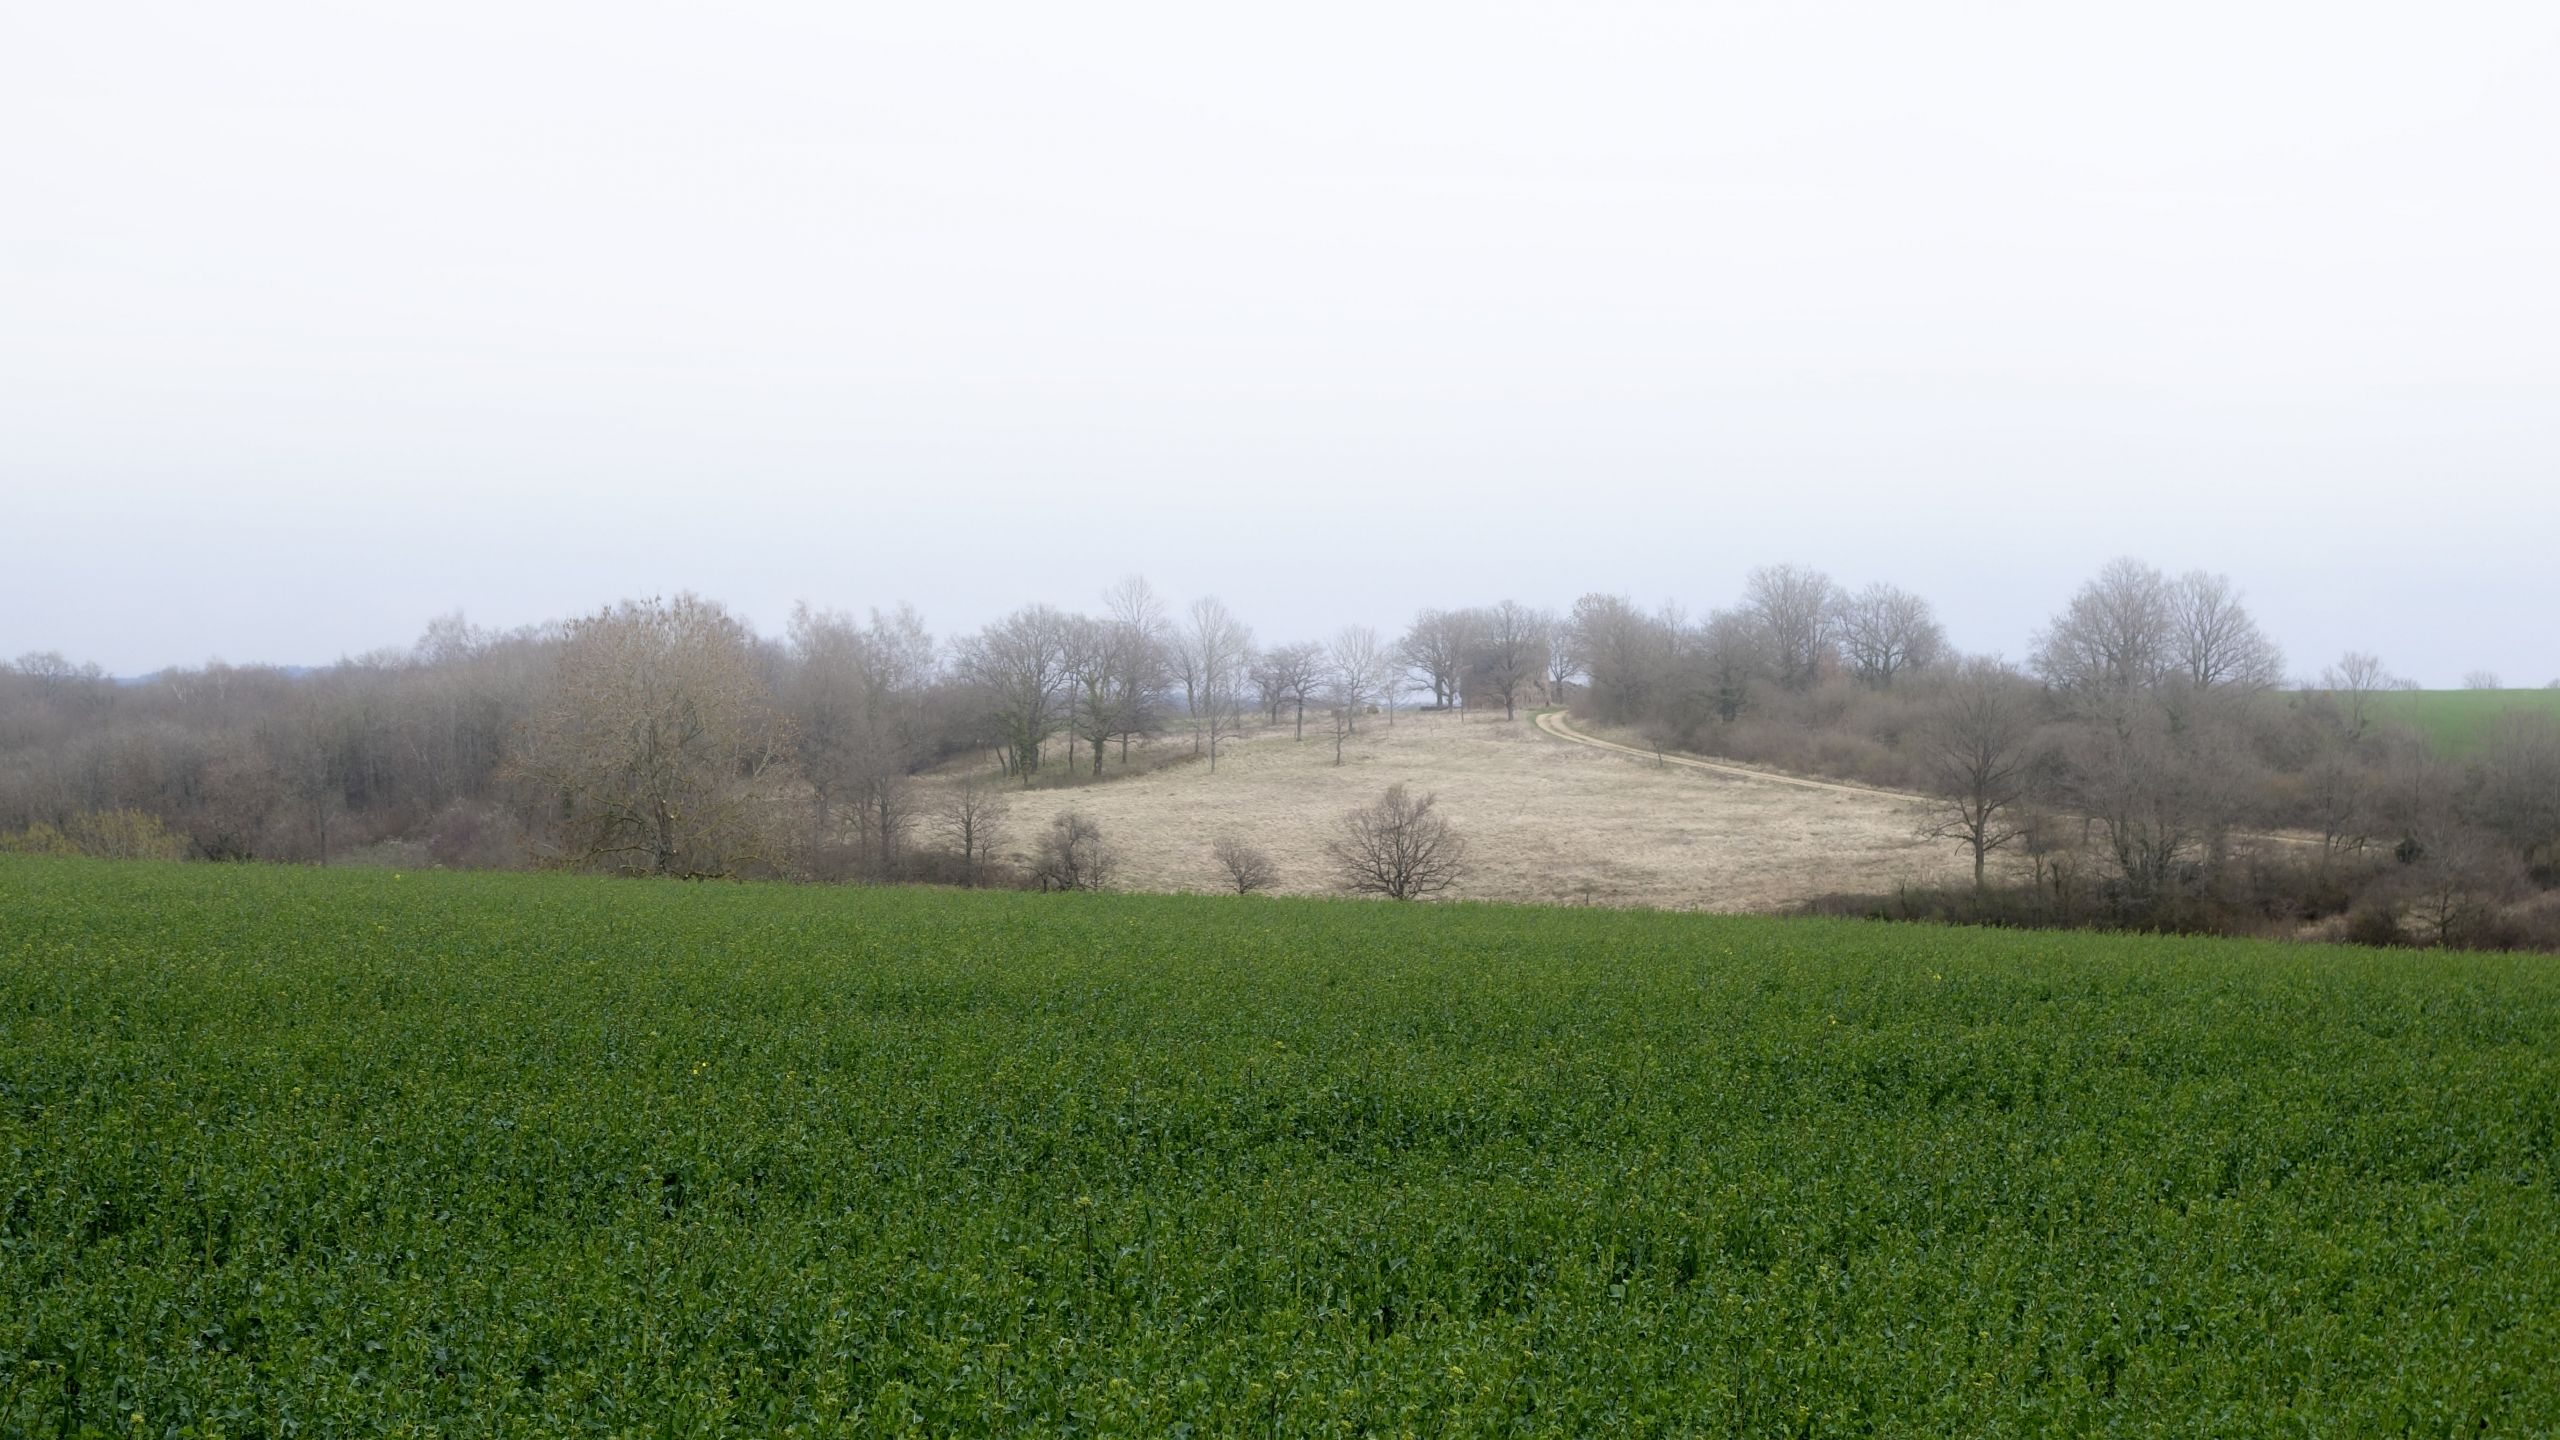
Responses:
[1547,820]
[2459,722]
[334,1152]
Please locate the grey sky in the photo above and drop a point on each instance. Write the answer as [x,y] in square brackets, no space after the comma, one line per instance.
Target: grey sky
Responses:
[316,320]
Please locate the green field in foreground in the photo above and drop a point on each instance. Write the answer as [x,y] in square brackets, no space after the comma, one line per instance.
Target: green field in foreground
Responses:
[2458,722]
[334,1152]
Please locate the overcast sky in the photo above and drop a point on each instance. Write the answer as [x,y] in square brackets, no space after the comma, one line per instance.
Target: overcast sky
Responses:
[317,320]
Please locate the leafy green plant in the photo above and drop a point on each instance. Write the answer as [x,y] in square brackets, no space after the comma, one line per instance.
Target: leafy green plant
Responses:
[334,1152]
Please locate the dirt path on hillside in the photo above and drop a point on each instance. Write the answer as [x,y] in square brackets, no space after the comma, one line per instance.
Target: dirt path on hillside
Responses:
[1554,723]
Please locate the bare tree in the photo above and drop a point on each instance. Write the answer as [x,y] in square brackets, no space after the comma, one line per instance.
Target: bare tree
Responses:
[2116,637]
[2519,784]
[1563,659]
[1140,616]
[2164,782]
[2218,643]
[1400,847]
[1247,867]
[2332,799]
[2482,680]
[1073,856]
[1436,650]
[1214,654]
[822,697]
[656,738]
[1887,633]
[1793,608]
[972,815]
[1019,667]
[1977,741]
[1292,675]
[1624,651]
[1356,667]
[1511,649]
[1729,653]
[854,695]
[2457,883]
[1104,681]
[2352,684]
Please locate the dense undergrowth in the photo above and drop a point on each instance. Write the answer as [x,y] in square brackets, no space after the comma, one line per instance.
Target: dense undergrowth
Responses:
[326,1152]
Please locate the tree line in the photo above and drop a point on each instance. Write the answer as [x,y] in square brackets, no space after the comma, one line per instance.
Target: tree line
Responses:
[667,737]
[2148,764]
[2130,768]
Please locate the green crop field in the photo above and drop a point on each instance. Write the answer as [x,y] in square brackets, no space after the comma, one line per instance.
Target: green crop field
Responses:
[2458,722]
[300,1152]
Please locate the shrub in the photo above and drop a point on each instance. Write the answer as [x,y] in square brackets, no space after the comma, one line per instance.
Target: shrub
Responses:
[1247,867]
[1400,847]
[1073,856]
[101,835]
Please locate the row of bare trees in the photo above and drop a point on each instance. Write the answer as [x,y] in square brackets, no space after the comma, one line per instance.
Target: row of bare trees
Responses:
[2146,760]
[661,737]
[2149,727]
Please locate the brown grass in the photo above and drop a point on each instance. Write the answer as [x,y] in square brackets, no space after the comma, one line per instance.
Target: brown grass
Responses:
[1546,820]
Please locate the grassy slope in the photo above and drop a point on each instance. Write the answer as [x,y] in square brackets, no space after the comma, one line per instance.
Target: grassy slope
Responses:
[2457,722]
[359,1152]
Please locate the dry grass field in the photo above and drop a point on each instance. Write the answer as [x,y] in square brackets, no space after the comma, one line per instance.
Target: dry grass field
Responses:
[1546,819]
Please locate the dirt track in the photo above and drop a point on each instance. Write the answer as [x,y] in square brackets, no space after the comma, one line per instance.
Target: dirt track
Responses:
[1554,723]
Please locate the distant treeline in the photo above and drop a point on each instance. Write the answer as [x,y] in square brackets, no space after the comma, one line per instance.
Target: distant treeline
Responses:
[2129,772]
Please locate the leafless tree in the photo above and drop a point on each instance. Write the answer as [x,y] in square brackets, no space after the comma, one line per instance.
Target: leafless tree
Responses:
[1140,617]
[1104,681]
[2519,784]
[2116,637]
[1977,743]
[1214,655]
[1073,856]
[1400,847]
[1887,633]
[229,796]
[854,697]
[1511,649]
[1292,675]
[2164,783]
[2482,680]
[311,754]
[1019,667]
[972,816]
[2218,643]
[2457,883]
[1729,654]
[657,736]
[1563,660]
[1436,651]
[2351,685]
[1793,609]
[1246,866]
[1356,667]
[55,675]
[2332,799]
[1624,651]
